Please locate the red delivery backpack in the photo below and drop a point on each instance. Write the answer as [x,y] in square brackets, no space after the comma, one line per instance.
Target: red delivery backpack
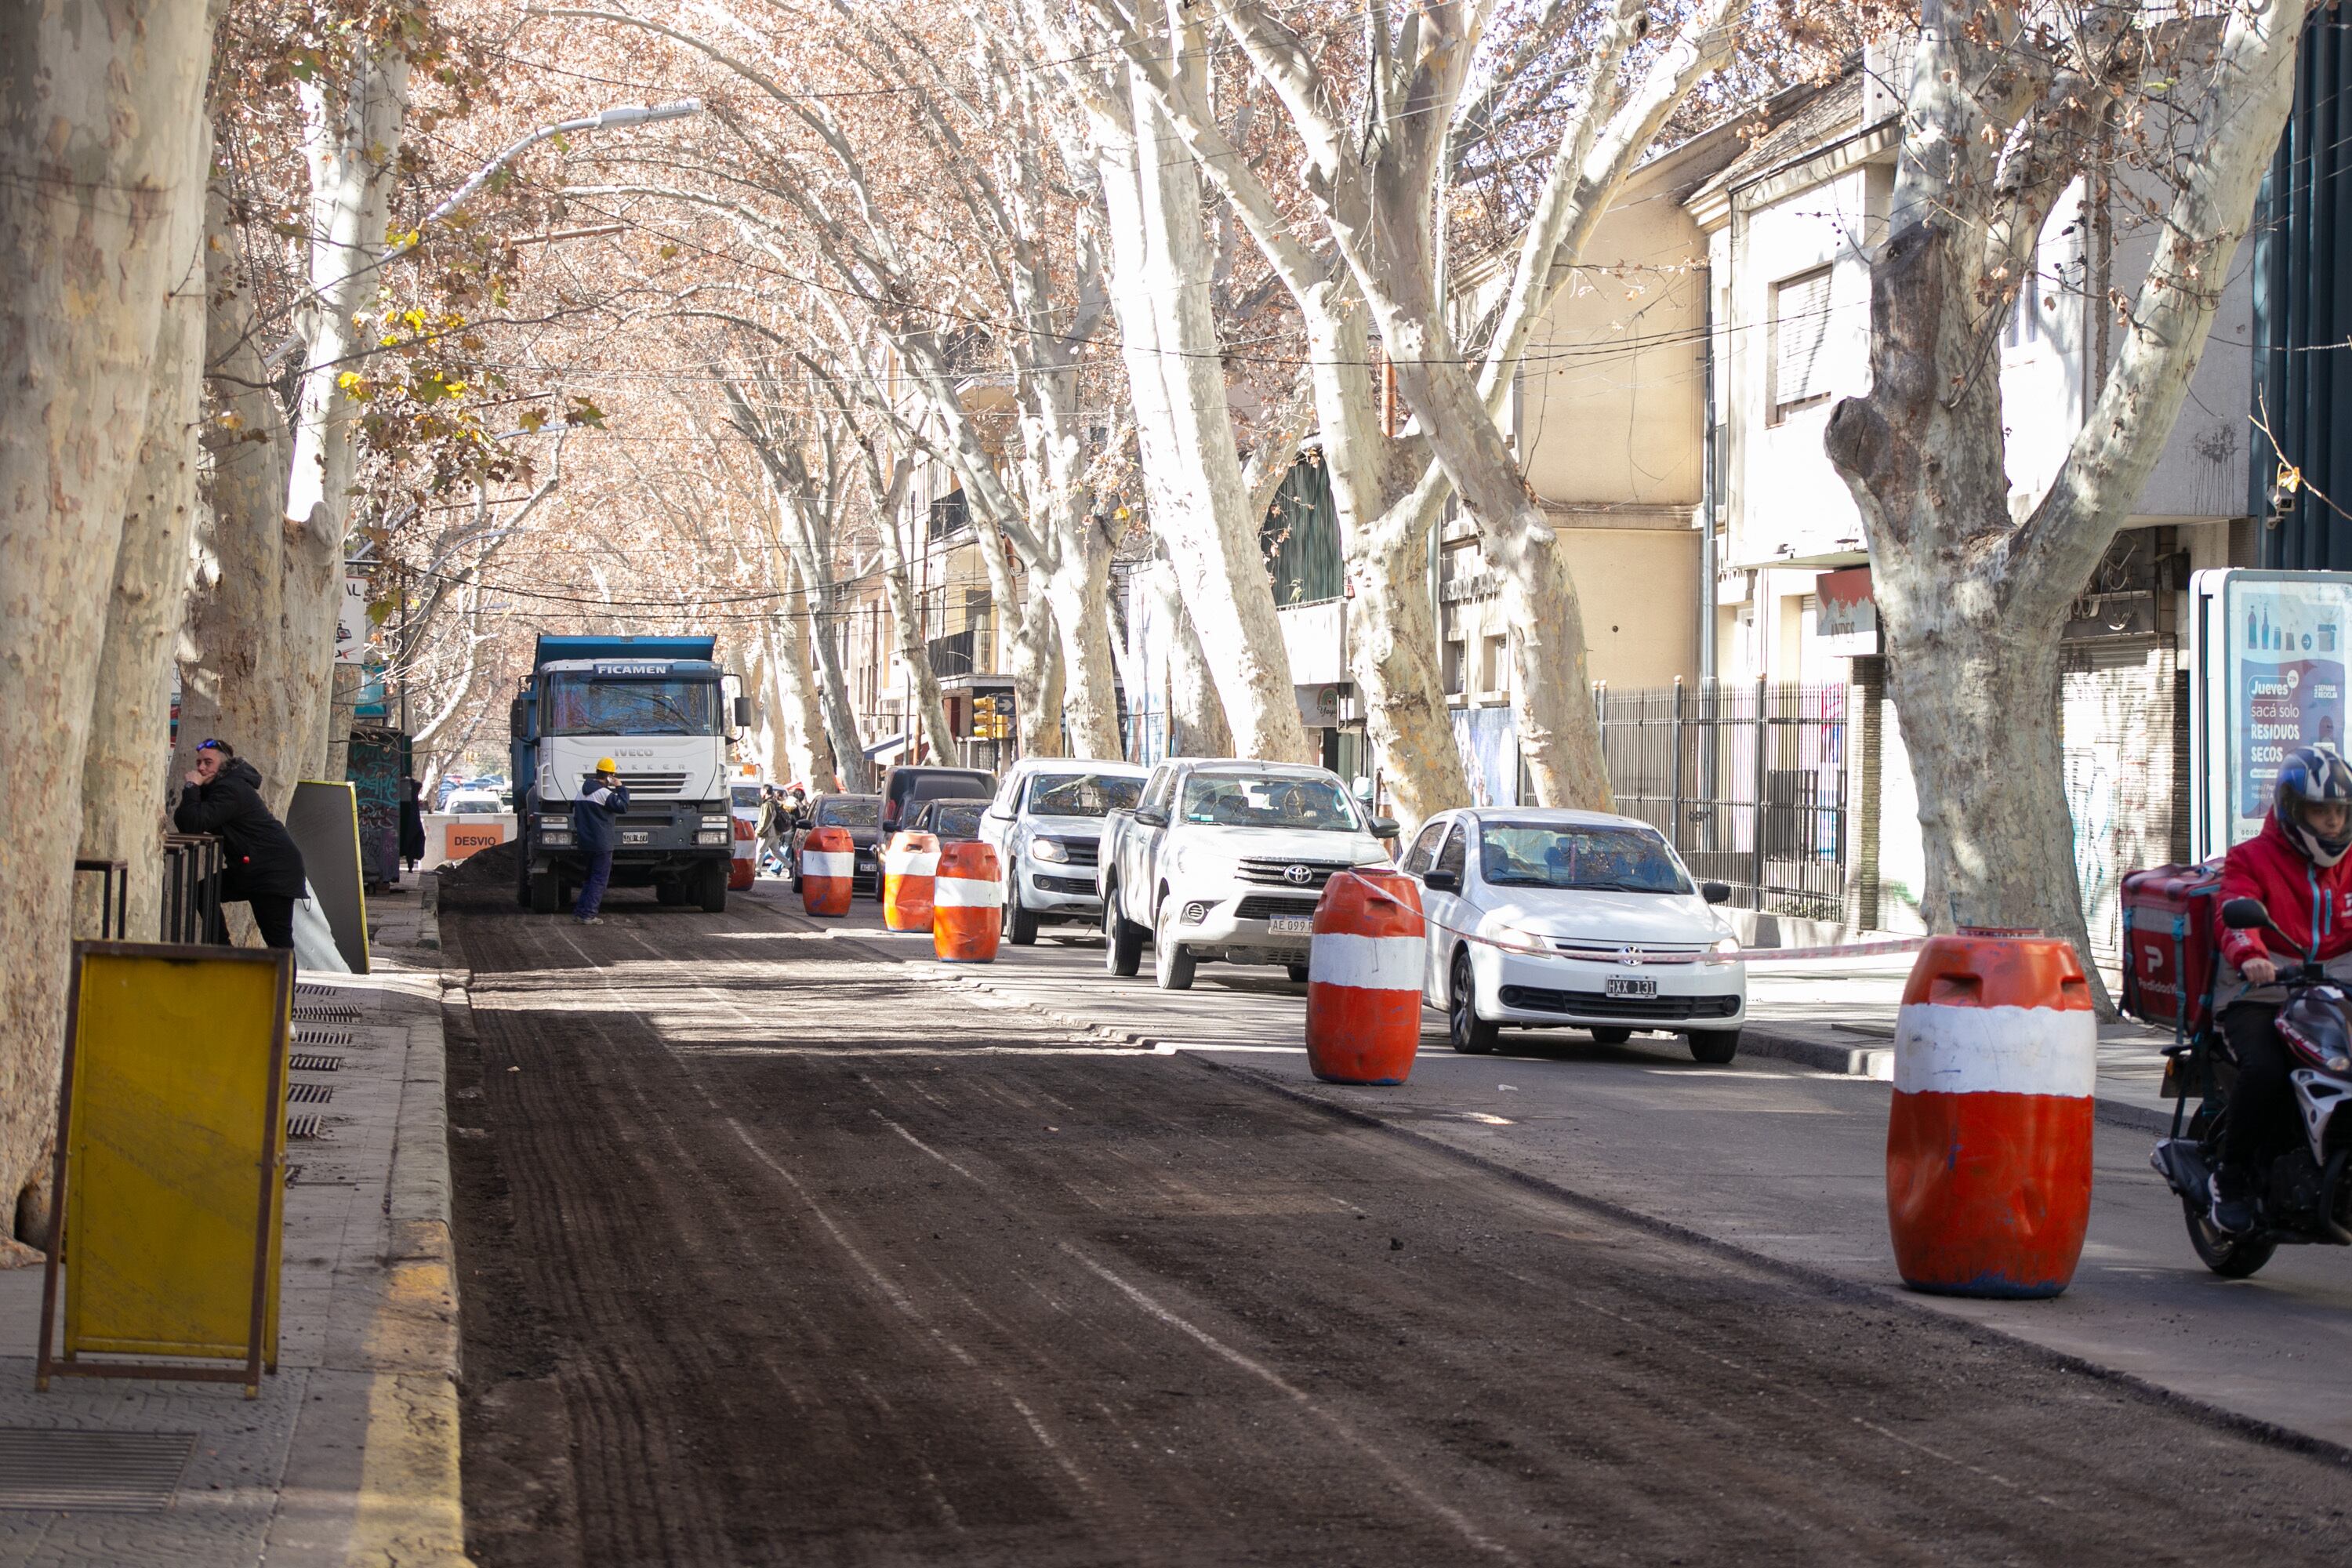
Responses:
[2169,947]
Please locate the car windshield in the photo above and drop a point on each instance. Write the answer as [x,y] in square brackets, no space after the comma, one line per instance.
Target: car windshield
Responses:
[1083,795]
[746,795]
[960,819]
[1593,859]
[850,811]
[603,705]
[1269,800]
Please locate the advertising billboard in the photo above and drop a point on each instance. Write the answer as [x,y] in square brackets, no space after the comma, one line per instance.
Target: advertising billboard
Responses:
[2269,650]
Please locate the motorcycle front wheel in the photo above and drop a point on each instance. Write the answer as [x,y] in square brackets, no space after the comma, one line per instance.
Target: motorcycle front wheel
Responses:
[2231,1257]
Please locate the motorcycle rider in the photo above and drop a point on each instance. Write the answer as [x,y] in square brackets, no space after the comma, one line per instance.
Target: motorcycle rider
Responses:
[2296,865]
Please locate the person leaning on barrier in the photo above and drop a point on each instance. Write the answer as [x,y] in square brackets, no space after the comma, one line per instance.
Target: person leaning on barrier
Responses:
[259,862]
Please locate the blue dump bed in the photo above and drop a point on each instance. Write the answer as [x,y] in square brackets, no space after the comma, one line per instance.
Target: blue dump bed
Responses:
[553,647]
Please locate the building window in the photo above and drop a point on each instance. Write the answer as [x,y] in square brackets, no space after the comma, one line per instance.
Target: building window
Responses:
[951,514]
[2025,316]
[1800,335]
[1457,662]
[1495,664]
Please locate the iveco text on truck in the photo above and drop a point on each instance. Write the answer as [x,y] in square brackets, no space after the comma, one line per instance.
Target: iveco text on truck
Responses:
[657,707]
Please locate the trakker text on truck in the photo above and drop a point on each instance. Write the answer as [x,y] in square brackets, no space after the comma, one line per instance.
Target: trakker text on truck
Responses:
[657,707]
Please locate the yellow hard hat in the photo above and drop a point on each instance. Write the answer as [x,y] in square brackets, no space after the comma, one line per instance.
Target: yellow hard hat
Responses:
[607,765]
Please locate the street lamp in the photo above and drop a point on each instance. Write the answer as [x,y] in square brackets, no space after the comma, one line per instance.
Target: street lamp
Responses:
[621,119]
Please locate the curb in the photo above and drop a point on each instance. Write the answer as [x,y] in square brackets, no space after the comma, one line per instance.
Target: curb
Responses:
[411,1507]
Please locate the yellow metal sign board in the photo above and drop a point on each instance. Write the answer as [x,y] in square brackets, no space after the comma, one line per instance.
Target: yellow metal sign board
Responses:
[170,1153]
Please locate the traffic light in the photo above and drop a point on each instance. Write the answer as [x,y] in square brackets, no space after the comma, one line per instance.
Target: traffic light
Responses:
[991,716]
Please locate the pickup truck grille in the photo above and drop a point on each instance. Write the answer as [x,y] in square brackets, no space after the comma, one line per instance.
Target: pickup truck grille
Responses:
[1262,907]
[1277,873]
[672,784]
[1081,851]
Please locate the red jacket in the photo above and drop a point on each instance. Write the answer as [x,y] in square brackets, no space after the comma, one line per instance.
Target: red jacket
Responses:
[2311,904]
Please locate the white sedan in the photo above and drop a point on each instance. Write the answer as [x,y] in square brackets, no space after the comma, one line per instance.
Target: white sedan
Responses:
[1577,919]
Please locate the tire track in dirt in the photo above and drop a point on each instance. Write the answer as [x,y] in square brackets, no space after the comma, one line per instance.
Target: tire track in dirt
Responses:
[804,1259]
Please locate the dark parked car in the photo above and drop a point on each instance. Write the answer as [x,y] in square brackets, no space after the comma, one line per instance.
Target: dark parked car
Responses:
[949,821]
[906,789]
[862,815]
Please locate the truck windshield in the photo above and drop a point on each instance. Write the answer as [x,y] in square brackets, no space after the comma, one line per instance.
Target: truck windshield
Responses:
[1269,801]
[602,705]
[1083,795]
[1595,859]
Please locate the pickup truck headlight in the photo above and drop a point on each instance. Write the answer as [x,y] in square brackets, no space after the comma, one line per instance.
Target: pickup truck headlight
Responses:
[1046,849]
[1195,913]
[707,836]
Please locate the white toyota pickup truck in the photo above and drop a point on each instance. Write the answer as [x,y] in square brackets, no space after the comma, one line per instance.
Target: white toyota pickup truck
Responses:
[1224,860]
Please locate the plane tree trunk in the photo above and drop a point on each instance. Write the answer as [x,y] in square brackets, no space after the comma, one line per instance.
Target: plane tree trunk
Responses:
[105,114]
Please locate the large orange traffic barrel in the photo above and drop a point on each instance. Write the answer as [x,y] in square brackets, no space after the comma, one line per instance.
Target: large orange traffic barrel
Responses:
[1988,1143]
[967,904]
[909,864]
[744,868]
[1363,979]
[828,863]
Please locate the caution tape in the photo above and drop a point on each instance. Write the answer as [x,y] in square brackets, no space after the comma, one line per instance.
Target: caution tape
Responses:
[1746,954]
[1849,950]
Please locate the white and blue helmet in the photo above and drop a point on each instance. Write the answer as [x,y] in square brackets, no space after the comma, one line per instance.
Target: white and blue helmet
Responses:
[2314,775]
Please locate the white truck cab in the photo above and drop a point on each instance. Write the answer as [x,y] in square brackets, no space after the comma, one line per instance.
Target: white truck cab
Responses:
[1223,860]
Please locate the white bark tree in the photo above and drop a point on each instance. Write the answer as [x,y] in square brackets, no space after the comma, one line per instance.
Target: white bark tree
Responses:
[99,123]
[2002,113]
[1376,187]
[352,135]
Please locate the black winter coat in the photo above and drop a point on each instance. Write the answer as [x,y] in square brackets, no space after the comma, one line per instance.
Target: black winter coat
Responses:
[593,814]
[260,855]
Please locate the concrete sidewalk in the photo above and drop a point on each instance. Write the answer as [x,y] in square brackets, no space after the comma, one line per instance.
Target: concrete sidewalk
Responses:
[349,1455]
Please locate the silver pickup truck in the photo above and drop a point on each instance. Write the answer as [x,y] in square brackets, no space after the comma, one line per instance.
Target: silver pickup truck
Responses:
[1223,860]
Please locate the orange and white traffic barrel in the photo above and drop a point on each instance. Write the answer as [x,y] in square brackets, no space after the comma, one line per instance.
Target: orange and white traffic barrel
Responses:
[1363,979]
[1988,1143]
[743,870]
[909,862]
[828,862]
[967,904]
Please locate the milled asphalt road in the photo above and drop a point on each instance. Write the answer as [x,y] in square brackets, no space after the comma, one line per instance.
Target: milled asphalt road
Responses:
[1774,1158]
[777,1246]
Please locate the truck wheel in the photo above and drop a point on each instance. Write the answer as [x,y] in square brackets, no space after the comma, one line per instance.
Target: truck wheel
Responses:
[1171,965]
[669,890]
[544,893]
[1297,973]
[1020,924]
[713,876]
[1122,938]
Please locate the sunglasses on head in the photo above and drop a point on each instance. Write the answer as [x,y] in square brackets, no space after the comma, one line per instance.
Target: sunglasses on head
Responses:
[209,746]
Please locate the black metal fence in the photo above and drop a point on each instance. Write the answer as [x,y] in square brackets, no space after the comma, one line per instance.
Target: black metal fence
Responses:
[192,904]
[113,897]
[1749,780]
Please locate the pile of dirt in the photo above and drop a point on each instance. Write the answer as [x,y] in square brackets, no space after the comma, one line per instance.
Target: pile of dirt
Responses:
[484,869]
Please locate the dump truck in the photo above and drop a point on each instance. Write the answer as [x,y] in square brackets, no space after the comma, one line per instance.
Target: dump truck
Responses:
[657,705]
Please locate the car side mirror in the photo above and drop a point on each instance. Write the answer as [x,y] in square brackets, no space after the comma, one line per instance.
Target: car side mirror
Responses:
[1150,818]
[1386,827]
[1443,881]
[2246,914]
[1716,892]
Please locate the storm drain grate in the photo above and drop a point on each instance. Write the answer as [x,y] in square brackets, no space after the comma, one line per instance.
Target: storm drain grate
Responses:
[311,1061]
[308,1125]
[330,1014]
[106,1471]
[321,1037]
[310,1093]
[301,990]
